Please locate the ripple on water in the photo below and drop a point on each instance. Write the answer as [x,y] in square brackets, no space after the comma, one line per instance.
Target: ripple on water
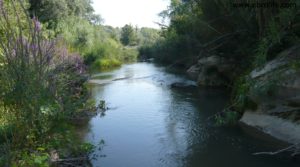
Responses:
[151,125]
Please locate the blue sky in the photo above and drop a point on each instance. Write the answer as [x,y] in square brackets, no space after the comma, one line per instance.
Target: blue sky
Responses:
[142,13]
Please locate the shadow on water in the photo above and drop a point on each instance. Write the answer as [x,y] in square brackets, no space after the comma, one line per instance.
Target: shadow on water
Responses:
[151,124]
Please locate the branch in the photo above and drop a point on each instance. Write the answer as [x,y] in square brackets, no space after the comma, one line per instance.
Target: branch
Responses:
[161,25]
[293,148]
[71,159]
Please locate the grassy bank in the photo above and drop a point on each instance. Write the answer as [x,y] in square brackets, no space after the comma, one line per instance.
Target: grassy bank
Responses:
[126,55]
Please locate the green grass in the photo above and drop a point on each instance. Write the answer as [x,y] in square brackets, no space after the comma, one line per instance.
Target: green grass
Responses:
[104,64]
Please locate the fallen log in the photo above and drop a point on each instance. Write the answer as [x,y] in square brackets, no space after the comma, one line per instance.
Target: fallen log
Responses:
[70,159]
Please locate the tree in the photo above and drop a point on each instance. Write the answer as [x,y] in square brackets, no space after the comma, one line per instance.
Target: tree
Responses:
[128,35]
[52,11]
[148,36]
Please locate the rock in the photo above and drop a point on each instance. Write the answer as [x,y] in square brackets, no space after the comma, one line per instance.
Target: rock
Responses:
[269,67]
[279,128]
[54,156]
[285,80]
[211,60]
[100,81]
[291,80]
[284,58]
[194,71]
[182,85]
[294,101]
[278,108]
[214,71]
[212,79]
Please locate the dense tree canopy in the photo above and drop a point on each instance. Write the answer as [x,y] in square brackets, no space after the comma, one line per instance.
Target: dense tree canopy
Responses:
[247,37]
[200,28]
[52,11]
[128,35]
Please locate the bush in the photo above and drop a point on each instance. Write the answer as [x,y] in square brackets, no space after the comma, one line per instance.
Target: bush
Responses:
[96,43]
[129,55]
[41,83]
[227,118]
[104,64]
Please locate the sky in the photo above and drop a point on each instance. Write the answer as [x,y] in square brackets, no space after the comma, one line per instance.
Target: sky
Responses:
[142,13]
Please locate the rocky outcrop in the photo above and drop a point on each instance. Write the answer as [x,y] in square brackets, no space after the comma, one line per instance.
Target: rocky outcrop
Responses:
[277,127]
[276,91]
[212,71]
[274,88]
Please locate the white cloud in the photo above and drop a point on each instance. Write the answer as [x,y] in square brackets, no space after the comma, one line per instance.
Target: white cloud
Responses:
[142,13]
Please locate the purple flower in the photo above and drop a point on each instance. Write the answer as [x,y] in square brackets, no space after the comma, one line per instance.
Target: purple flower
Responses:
[33,47]
[37,24]
[1,4]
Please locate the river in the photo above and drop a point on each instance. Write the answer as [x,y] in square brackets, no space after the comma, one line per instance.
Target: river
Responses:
[150,124]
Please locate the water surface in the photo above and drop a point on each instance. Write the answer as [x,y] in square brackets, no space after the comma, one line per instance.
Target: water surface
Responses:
[150,124]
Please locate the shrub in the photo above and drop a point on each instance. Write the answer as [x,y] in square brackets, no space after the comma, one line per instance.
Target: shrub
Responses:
[40,83]
[129,54]
[104,64]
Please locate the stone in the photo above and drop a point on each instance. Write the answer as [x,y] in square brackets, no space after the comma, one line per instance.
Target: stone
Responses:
[182,85]
[193,71]
[282,59]
[277,113]
[212,79]
[279,128]
[294,101]
[54,156]
[213,71]
[211,61]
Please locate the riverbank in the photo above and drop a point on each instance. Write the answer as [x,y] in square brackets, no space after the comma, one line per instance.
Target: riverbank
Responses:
[255,53]
[267,99]
[60,146]
[42,85]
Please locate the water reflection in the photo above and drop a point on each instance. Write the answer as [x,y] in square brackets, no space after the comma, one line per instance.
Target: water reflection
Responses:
[153,125]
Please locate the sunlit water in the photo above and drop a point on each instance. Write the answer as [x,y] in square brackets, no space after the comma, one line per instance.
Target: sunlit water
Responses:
[150,124]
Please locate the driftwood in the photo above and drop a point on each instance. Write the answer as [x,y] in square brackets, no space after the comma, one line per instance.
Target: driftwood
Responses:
[70,160]
[295,149]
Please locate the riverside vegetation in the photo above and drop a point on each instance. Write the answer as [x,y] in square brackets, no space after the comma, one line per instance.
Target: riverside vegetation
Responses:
[46,50]
[42,88]
[47,47]
[253,51]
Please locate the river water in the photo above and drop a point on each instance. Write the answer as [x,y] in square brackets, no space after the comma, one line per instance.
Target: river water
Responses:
[150,124]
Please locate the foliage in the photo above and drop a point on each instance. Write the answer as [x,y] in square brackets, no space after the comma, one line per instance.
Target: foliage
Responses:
[129,54]
[148,36]
[249,37]
[104,64]
[99,45]
[226,118]
[129,35]
[41,83]
[49,10]
[80,29]
[202,28]
[295,65]
[241,92]
[52,11]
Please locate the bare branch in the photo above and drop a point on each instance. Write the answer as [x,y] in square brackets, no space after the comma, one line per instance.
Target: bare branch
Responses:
[292,148]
